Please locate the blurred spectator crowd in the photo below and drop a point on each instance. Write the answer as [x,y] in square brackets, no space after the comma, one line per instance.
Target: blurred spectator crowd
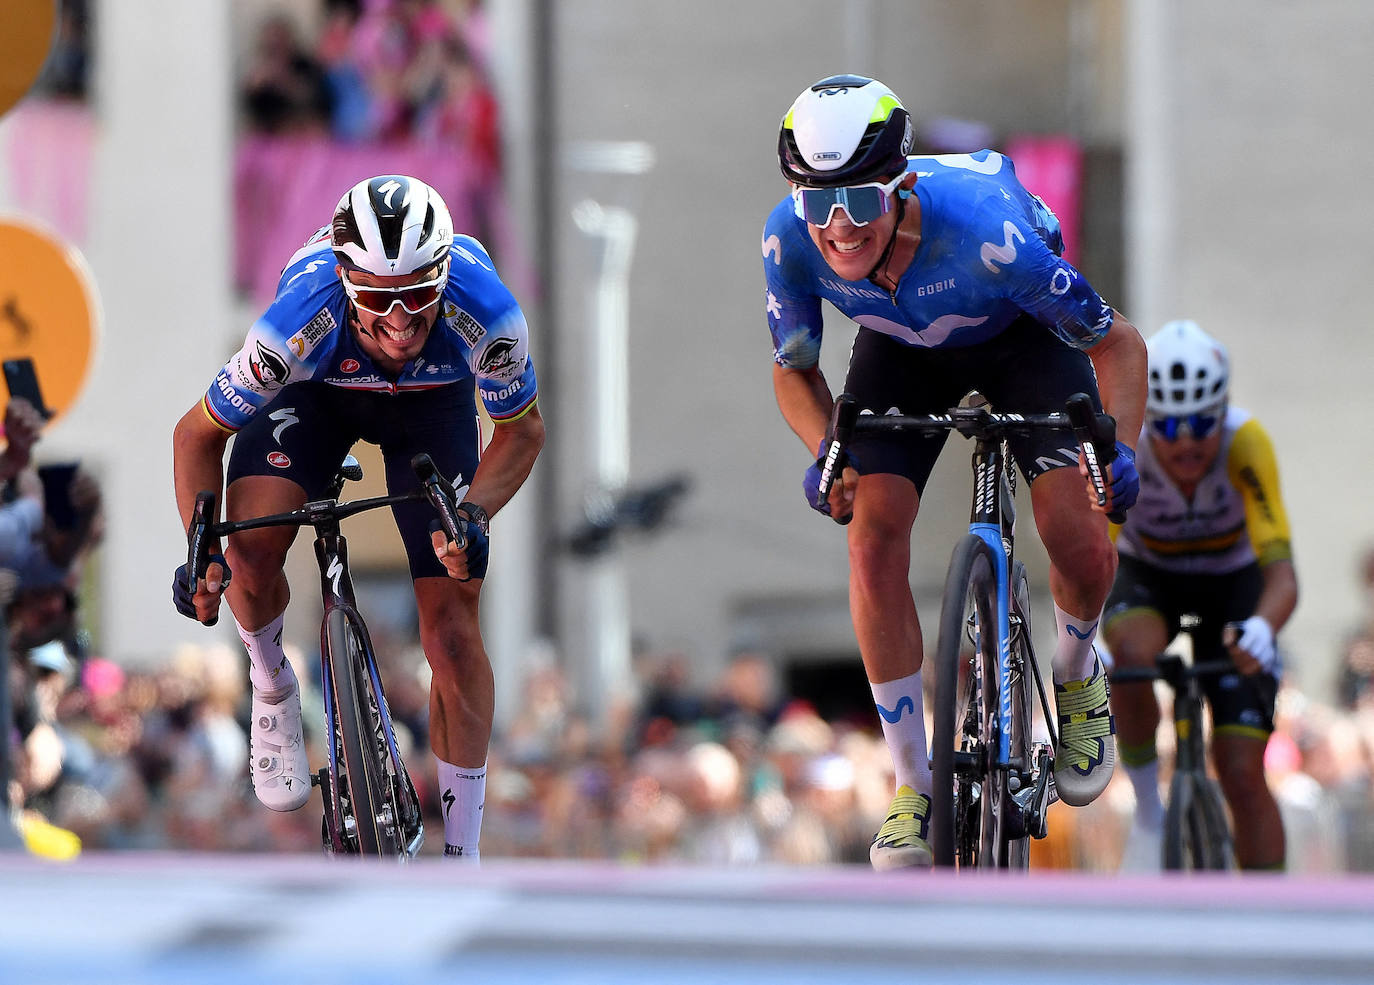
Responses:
[730,772]
[377,70]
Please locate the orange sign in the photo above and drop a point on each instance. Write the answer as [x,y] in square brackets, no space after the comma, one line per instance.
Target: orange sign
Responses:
[49,310]
[25,39]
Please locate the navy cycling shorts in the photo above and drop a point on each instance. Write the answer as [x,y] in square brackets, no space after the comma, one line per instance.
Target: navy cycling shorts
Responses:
[1026,369]
[1246,706]
[304,434]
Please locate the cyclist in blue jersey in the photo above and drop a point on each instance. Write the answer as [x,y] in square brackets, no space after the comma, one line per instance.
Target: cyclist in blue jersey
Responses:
[952,271]
[385,328]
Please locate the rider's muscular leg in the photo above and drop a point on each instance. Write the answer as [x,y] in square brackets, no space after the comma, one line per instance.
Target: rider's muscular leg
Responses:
[258,591]
[880,600]
[1134,638]
[462,691]
[1259,827]
[1082,565]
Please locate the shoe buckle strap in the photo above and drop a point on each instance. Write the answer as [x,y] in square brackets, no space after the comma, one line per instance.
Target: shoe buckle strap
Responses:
[1087,699]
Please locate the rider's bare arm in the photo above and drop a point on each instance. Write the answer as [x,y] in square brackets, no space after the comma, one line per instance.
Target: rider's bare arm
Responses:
[805,400]
[507,460]
[1120,363]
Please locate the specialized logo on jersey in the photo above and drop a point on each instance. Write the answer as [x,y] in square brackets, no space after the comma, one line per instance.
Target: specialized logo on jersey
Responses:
[991,254]
[267,367]
[469,329]
[278,459]
[310,268]
[498,359]
[311,332]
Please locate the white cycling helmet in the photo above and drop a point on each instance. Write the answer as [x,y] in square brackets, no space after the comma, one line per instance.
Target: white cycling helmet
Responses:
[1189,370]
[844,130]
[390,226]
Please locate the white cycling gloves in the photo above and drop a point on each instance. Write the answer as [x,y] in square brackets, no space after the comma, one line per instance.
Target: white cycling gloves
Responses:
[1257,639]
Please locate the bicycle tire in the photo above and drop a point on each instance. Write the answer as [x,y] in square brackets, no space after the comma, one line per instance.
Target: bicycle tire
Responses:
[365,778]
[1223,853]
[1187,847]
[960,834]
[1013,840]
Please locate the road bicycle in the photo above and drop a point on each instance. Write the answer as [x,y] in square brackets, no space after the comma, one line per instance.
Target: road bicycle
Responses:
[370,804]
[992,782]
[1196,833]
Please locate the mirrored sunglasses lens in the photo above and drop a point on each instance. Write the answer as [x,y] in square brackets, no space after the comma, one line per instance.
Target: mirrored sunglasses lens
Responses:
[1201,425]
[1165,427]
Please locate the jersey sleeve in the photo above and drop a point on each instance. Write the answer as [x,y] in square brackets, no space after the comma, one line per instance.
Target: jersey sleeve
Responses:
[794,313]
[1253,469]
[1045,286]
[251,377]
[495,334]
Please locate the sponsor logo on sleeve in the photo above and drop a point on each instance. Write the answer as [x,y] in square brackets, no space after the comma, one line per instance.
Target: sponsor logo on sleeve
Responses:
[467,327]
[232,397]
[311,332]
[507,391]
[268,367]
[992,253]
[498,361]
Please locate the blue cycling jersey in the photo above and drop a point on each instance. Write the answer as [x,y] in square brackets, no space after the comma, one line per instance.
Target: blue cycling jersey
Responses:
[989,251]
[304,335]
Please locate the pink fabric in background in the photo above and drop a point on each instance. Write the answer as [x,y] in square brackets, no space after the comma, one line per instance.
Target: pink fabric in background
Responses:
[286,188]
[1052,167]
[49,162]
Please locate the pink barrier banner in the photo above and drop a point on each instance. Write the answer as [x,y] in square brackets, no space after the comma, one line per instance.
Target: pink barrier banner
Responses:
[1052,167]
[286,188]
[48,155]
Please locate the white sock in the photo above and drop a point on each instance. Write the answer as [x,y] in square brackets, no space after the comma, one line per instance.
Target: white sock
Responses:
[1073,649]
[902,713]
[1149,809]
[270,673]
[462,792]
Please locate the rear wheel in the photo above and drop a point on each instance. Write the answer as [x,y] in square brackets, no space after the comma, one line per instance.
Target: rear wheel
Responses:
[365,783]
[963,826]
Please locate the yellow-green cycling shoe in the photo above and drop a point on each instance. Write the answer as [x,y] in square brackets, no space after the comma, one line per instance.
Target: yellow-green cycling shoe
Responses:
[901,843]
[1086,753]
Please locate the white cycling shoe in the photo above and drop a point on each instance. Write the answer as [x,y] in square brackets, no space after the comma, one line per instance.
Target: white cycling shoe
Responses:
[277,758]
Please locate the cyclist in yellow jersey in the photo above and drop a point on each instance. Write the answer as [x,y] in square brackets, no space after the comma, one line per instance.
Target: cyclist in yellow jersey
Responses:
[1207,537]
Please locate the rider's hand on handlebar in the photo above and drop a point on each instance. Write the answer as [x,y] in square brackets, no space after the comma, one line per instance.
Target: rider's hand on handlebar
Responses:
[1123,481]
[1251,645]
[461,564]
[840,506]
[203,606]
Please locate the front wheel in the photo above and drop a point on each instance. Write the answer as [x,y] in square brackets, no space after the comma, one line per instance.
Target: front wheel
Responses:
[1191,840]
[963,828]
[364,787]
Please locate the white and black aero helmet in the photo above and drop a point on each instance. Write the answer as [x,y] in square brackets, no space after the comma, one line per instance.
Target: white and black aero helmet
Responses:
[844,130]
[391,225]
[1189,370]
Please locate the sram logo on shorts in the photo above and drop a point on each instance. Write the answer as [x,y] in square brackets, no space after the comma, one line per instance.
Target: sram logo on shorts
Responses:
[278,460]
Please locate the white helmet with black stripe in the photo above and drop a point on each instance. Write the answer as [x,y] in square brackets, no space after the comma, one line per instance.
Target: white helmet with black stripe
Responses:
[391,225]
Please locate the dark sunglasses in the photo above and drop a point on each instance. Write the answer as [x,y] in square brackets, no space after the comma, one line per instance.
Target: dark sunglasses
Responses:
[1199,425]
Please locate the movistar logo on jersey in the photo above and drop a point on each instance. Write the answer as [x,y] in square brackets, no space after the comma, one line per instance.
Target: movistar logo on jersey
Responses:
[992,254]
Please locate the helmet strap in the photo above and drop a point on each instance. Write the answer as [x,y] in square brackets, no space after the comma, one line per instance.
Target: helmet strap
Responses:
[353,317]
[891,242]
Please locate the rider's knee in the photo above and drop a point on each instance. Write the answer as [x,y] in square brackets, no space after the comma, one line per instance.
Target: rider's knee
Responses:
[1242,778]
[879,552]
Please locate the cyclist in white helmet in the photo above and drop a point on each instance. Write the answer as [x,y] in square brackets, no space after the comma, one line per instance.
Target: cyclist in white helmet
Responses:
[387,327]
[1208,537]
[952,270]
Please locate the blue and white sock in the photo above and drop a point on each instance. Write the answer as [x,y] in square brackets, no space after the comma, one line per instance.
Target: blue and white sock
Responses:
[1073,658]
[902,711]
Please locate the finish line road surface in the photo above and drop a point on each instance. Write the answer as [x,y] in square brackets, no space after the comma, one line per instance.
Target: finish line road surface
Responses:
[245,920]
